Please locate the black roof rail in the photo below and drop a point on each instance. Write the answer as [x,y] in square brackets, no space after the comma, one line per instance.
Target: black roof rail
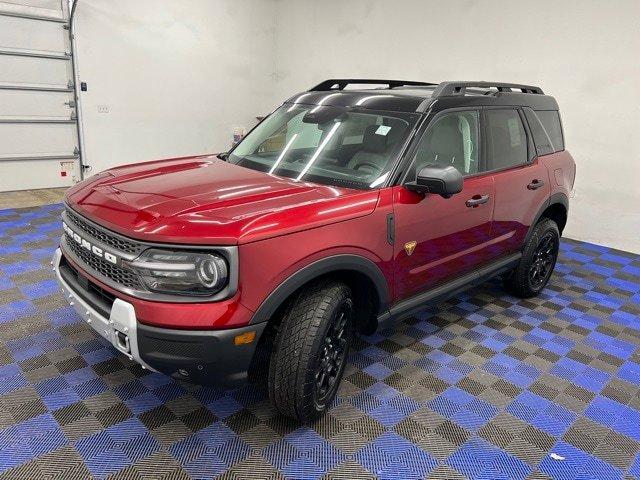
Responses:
[448,89]
[341,83]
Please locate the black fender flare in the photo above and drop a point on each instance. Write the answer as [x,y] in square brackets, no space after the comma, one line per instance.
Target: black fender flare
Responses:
[555,199]
[316,269]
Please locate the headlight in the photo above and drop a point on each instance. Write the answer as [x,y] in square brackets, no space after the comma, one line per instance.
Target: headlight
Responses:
[182,273]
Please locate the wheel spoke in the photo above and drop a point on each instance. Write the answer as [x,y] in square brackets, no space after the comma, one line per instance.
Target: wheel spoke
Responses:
[321,381]
[542,261]
[333,355]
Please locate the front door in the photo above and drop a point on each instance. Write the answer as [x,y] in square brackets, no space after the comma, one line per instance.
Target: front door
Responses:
[437,238]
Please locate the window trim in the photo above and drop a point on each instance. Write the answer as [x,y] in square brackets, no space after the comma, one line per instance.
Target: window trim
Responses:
[564,140]
[409,157]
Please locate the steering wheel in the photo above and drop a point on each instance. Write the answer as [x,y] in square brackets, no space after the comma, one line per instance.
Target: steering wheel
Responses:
[302,158]
[365,163]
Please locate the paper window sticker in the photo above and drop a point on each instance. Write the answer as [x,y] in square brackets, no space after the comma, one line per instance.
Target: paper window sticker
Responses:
[383,130]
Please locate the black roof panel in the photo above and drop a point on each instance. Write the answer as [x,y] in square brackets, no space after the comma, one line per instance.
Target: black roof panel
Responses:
[420,97]
[374,99]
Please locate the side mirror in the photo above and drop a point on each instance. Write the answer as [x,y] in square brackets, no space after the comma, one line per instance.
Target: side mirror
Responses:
[444,181]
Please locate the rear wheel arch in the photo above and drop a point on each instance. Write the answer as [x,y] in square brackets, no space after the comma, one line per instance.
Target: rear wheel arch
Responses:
[538,261]
[558,213]
[556,209]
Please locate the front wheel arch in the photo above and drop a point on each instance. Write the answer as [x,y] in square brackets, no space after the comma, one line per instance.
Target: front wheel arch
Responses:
[358,272]
[366,281]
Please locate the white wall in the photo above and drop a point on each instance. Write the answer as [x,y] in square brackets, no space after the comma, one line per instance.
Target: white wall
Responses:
[175,77]
[585,53]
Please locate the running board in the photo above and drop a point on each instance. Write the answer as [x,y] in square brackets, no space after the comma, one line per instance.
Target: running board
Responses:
[406,308]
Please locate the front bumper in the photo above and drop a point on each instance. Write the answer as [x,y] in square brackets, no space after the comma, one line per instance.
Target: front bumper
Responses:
[199,356]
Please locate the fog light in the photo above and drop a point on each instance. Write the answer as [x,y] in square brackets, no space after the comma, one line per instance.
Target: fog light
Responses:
[244,338]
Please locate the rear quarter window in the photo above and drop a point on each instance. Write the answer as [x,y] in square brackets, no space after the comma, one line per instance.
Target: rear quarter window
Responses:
[551,121]
[543,143]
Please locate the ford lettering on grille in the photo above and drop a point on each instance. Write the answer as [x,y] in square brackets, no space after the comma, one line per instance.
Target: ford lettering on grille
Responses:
[87,245]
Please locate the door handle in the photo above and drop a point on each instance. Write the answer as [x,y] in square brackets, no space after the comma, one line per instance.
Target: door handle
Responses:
[535,184]
[477,200]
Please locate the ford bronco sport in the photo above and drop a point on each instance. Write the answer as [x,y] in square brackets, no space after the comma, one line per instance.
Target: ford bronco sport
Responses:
[349,207]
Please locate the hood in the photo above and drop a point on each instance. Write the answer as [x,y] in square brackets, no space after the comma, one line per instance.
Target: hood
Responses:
[203,200]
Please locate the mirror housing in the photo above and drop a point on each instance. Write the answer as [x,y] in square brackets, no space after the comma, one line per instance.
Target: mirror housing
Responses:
[444,181]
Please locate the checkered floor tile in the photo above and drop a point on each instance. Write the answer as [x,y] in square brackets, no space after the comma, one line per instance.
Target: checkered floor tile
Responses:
[486,386]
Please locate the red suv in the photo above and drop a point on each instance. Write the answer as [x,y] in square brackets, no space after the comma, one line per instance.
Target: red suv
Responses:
[344,210]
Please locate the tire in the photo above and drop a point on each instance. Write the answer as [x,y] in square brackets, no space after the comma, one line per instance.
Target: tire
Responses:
[538,260]
[304,345]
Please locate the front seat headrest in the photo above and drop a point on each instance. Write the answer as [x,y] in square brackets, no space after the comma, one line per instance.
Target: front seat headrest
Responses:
[446,138]
[372,141]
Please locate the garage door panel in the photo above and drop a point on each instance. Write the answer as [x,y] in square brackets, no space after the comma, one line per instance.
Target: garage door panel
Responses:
[30,34]
[26,139]
[47,4]
[37,126]
[15,103]
[33,70]
[34,8]
[12,173]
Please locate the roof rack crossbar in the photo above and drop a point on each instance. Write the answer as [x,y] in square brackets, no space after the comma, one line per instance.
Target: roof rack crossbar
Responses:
[448,89]
[341,83]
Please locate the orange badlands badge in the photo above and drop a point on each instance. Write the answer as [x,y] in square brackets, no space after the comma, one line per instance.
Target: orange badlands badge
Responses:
[409,247]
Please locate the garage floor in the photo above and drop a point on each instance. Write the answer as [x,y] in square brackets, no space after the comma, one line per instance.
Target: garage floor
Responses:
[485,387]
[31,198]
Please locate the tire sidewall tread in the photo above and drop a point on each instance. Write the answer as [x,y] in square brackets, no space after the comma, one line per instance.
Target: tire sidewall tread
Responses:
[302,331]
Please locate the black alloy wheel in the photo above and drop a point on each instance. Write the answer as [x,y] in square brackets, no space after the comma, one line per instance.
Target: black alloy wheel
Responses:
[334,353]
[544,260]
[311,349]
[538,260]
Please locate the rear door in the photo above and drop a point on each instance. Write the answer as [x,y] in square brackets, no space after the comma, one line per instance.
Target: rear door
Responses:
[438,238]
[521,182]
[38,130]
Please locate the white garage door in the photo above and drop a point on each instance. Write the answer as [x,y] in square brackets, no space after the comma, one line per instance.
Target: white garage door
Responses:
[38,131]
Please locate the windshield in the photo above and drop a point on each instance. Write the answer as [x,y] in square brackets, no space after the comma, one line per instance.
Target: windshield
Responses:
[325,144]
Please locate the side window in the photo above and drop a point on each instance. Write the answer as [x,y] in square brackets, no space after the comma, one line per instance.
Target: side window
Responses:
[451,140]
[551,121]
[506,139]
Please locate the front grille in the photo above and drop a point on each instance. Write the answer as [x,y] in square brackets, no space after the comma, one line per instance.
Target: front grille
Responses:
[121,276]
[92,287]
[115,241]
[96,296]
